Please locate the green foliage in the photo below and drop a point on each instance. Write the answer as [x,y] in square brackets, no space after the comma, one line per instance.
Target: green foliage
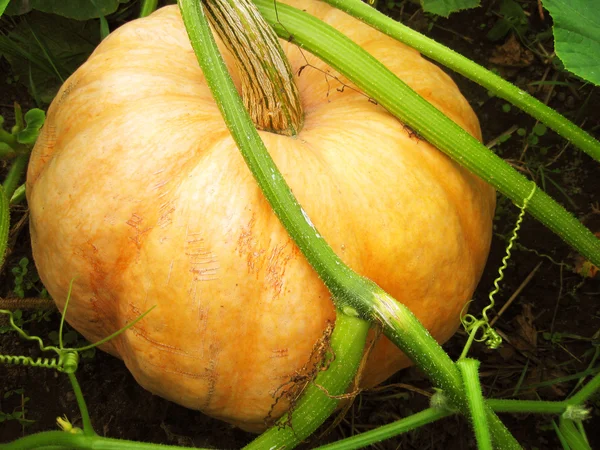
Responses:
[19,412]
[3,5]
[576,29]
[73,9]
[21,319]
[446,7]
[26,279]
[34,119]
[577,36]
[73,339]
[512,18]
[18,319]
[43,50]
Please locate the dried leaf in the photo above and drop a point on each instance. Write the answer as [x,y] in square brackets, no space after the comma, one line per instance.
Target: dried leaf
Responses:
[511,54]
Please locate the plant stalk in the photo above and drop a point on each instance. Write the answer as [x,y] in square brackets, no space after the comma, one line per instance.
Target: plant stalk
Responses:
[268,89]
[388,431]
[4,224]
[586,391]
[469,370]
[54,440]
[527,406]
[321,395]
[88,429]
[13,178]
[387,89]
[148,7]
[473,71]
[349,290]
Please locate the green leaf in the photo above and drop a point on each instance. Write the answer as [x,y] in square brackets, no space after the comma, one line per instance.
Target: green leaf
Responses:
[3,5]
[446,7]
[45,49]
[73,9]
[577,36]
[513,18]
[34,118]
[104,29]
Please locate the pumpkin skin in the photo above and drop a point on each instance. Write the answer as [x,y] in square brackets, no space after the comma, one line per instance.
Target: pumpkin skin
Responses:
[137,192]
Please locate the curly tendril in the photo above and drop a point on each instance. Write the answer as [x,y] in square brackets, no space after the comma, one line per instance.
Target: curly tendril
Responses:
[68,358]
[470,323]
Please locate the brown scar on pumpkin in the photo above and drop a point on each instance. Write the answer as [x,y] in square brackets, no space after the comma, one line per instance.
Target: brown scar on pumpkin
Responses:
[203,262]
[280,353]
[136,222]
[247,245]
[161,346]
[277,265]
[70,88]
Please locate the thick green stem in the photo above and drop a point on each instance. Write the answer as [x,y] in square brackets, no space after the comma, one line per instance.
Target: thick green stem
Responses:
[404,330]
[319,399]
[148,7]
[527,406]
[4,224]
[386,88]
[432,414]
[586,391]
[349,290]
[62,440]
[88,429]
[574,438]
[13,178]
[278,193]
[388,431]
[473,71]
[469,370]
[8,138]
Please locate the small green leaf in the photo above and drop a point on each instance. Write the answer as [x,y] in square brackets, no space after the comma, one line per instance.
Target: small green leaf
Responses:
[577,36]
[73,9]
[499,30]
[3,5]
[539,129]
[513,18]
[34,118]
[446,7]
[532,139]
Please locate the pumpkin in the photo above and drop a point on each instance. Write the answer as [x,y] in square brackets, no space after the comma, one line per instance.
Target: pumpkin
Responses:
[138,193]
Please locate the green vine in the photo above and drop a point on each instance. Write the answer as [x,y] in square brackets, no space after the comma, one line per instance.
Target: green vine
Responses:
[473,71]
[375,80]
[470,323]
[357,299]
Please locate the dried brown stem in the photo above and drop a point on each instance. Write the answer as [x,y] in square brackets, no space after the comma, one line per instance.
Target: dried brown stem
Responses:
[268,89]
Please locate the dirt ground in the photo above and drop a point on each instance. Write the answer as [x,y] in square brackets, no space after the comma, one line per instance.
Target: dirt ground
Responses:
[551,328]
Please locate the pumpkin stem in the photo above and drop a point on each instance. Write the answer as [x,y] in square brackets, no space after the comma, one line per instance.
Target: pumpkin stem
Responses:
[268,89]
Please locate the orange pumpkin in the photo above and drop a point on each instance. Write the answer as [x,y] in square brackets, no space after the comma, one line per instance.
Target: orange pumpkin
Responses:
[138,192]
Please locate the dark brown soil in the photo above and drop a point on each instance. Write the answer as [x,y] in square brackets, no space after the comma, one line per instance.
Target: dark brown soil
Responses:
[552,328]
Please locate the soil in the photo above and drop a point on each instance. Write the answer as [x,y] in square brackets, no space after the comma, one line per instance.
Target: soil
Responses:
[551,328]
